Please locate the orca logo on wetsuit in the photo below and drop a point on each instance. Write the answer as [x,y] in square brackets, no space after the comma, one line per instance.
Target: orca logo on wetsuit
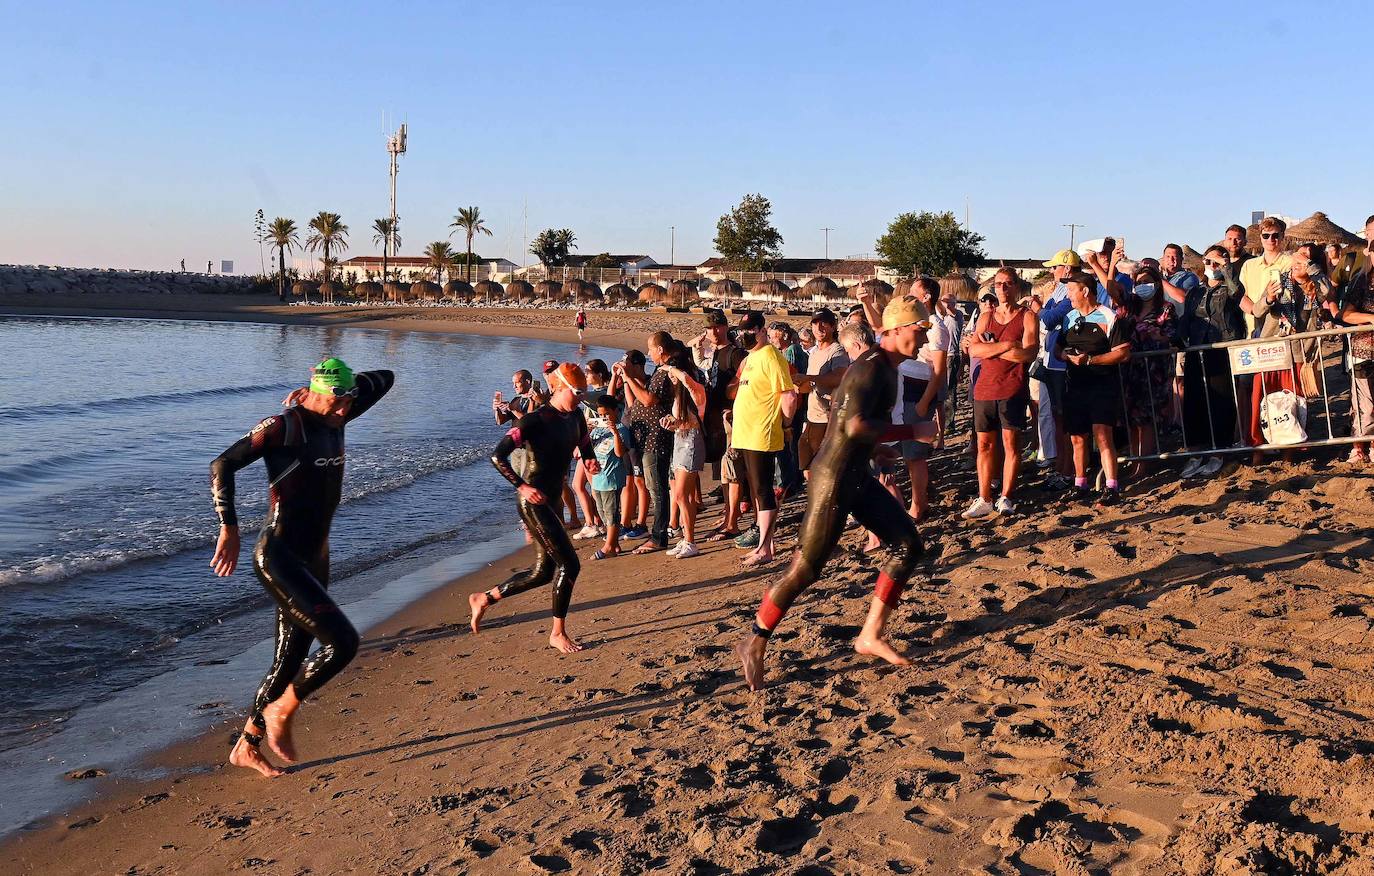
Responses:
[329,460]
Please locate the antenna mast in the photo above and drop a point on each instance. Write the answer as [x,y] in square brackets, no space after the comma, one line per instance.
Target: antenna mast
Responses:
[396,147]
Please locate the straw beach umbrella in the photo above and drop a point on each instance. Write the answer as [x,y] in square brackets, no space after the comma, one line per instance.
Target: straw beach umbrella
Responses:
[875,287]
[422,289]
[652,293]
[488,289]
[1318,228]
[329,290]
[1192,261]
[619,293]
[549,290]
[958,285]
[818,287]
[726,290]
[683,293]
[583,291]
[367,290]
[457,289]
[771,290]
[394,291]
[305,288]
[520,290]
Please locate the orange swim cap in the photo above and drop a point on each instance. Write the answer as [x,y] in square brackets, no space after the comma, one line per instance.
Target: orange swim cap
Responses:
[570,374]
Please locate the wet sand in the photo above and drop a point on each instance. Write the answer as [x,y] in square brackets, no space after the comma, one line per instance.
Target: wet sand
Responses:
[1177,685]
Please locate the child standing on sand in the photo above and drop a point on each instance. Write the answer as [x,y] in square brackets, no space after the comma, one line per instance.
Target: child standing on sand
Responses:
[611,441]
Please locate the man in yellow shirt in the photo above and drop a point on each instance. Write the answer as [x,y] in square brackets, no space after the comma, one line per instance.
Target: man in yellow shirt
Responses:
[1257,273]
[764,393]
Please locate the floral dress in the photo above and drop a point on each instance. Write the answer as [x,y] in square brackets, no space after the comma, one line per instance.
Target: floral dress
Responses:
[1149,393]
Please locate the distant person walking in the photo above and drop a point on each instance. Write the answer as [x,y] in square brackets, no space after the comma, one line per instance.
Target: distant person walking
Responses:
[581,322]
[183,266]
[303,449]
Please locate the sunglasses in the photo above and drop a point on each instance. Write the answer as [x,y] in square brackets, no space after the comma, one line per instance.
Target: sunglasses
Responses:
[1002,284]
[1212,264]
[1271,235]
[340,392]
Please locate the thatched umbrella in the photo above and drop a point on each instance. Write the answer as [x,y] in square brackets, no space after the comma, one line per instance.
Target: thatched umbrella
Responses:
[457,289]
[305,288]
[520,290]
[583,291]
[818,287]
[903,287]
[1317,228]
[959,286]
[425,289]
[619,293]
[367,290]
[551,290]
[683,293]
[652,293]
[394,291]
[874,287]
[1192,260]
[771,290]
[725,290]
[329,290]
[489,289]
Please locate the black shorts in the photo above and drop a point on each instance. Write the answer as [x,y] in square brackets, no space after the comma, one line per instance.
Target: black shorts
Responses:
[1085,408]
[813,434]
[758,474]
[1054,385]
[1007,413]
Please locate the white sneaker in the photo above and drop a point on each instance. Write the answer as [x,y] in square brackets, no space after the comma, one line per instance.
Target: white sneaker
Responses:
[1210,467]
[1003,505]
[687,550]
[978,510]
[676,549]
[1191,469]
[585,532]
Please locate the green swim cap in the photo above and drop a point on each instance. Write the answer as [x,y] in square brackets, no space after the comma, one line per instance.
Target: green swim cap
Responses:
[332,377]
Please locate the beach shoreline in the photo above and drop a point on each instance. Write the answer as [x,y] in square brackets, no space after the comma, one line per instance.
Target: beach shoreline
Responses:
[1175,685]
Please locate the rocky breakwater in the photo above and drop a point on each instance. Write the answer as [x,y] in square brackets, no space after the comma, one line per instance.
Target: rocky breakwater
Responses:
[45,280]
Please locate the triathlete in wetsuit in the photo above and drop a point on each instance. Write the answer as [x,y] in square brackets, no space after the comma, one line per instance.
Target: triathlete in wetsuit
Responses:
[548,435]
[303,448]
[842,484]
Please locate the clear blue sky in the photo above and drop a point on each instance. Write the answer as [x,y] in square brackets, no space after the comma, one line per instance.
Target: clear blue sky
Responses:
[139,134]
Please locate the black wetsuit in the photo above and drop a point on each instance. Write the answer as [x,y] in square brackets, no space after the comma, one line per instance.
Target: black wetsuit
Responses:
[305,464]
[548,437]
[842,484]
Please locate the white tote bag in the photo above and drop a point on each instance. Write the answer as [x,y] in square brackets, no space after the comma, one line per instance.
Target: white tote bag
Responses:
[1283,415]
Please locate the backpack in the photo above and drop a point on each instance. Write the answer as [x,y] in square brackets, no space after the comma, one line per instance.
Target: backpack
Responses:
[1283,415]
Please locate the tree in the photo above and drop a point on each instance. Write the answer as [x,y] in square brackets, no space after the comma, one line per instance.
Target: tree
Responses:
[327,233]
[929,243]
[282,233]
[388,237]
[551,246]
[260,235]
[746,238]
[469,220]
[441,258]
[604,260]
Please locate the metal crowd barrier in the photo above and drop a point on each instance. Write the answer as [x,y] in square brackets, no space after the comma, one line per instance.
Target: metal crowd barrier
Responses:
[1258,358]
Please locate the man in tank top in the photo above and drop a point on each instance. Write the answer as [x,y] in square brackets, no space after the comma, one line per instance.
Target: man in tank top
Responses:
[1007,339]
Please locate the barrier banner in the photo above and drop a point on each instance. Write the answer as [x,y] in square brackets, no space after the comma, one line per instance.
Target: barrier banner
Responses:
[1268,355]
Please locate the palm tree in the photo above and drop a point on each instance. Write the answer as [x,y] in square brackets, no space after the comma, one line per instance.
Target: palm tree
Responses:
[328,233]
[441,256]
[566,242]
[469,219]
[282,233]
[551,246]
[388,232]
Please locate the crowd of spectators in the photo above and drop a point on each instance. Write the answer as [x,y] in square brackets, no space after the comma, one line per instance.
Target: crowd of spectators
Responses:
[1109,358]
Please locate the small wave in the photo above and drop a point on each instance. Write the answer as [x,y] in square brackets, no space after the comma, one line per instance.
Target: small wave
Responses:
[47,468]
[135,401]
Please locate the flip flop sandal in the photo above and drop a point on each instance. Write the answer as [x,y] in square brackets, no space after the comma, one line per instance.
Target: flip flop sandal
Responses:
[602,555]
[723,534]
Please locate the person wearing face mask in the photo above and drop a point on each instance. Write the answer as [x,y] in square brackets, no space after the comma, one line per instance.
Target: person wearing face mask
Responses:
[1147,381]
[1358,310]
[1211,314]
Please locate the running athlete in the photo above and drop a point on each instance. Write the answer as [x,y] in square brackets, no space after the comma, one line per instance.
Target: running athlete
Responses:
[303,448]
[549,435]
[581,322]
[842,484]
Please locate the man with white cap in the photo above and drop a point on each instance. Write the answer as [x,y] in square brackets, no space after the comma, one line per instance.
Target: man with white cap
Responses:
[842,484]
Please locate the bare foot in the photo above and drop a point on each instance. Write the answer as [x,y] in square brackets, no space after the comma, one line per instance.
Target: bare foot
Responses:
[278,735]
[750,654]
[478,603]
[756,558]
[881,649]
[564,643]
[245,755]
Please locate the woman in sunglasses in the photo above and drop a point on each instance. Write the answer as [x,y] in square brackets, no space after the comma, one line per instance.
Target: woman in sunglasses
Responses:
[303,448]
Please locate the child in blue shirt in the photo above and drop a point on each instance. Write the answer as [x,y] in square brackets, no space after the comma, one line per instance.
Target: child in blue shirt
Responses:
[611,442]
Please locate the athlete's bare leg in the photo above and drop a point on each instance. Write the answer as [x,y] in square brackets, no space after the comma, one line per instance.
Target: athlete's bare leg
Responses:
[277,715]
[560,639]
[871,641]
[245,754]
[478,603]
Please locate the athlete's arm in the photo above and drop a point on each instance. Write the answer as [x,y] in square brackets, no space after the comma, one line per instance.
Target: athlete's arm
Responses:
[500,458]
[241,454]
[372,385]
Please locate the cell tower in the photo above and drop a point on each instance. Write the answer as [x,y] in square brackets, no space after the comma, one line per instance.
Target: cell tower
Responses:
[396,147]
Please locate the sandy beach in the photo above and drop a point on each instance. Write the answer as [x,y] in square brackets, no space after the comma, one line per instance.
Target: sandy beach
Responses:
[1176,685]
